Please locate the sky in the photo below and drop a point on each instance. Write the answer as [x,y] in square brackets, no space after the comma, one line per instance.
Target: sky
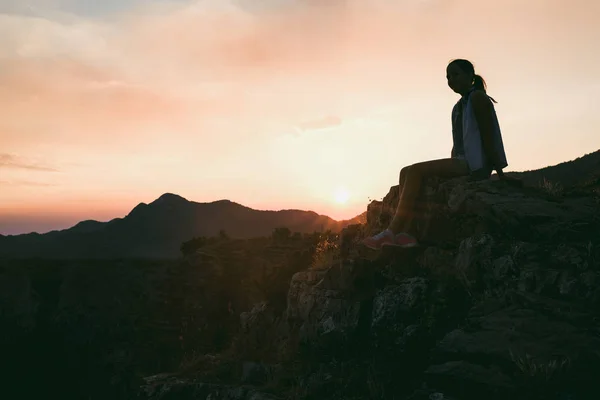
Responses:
[273,104]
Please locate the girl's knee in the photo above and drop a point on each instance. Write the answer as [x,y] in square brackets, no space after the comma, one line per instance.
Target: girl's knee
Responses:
[414,170]
[403,173]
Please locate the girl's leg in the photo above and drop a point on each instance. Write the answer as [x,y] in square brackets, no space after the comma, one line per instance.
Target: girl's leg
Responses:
[413,177]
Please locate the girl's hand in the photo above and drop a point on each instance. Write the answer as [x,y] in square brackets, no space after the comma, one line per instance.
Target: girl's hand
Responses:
[509,179]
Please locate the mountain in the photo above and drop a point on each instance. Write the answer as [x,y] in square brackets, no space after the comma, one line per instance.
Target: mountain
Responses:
[156,230]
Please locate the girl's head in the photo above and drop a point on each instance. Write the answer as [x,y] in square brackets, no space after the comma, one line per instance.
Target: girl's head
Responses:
[462,77]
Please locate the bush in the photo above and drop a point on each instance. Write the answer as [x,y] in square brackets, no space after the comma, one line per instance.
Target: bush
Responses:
[326,250]
[281,235]
[193,245]
[552,188]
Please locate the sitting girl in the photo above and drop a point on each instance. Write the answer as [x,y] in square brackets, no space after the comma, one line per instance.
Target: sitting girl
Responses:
[477,151]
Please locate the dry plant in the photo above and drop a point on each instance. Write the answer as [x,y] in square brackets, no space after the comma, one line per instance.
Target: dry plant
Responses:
[553,188]
[540,371]
[326,252]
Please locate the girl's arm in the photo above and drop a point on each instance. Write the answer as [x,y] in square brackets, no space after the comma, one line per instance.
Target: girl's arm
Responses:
[482,107]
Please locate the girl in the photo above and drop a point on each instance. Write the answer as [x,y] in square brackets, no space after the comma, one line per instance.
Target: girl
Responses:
[477,151]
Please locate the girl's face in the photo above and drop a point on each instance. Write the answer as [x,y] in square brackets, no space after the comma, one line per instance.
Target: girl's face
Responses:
[458,80]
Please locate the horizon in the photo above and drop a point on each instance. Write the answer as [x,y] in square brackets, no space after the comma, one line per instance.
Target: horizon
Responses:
[191,201]
[232,201]
[274,105]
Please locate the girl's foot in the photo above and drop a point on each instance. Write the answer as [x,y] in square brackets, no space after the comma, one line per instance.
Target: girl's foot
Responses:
[375,242]
[402,240]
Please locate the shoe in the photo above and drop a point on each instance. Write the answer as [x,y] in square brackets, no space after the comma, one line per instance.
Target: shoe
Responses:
[375,242]
[402,240]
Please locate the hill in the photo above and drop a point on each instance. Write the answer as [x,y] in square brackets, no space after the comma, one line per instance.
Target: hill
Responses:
[566,174]
[156,230]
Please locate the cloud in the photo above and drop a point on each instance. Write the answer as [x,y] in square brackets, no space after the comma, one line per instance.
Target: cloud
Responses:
[329,121]
[12,161]
[17,183]
[205,76]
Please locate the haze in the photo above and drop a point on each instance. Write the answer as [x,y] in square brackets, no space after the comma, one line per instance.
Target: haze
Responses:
[278,104]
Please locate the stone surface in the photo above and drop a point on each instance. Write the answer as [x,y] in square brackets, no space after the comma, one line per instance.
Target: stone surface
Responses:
[524,263]
[164,387]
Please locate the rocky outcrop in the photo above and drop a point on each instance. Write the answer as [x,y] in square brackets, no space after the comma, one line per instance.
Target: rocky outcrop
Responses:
[451,211]
[500,300]
[165,387]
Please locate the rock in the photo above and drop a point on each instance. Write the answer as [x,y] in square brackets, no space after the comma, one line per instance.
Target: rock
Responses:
[427,394]
[349,238]
[526,343]
[261,332]
[462,378]
[396,309]
[438,396]
[256,373]
[165,387]
[325,301]
[319,382]
[452,210]
[502,335]
[435,258]
[474,259]
[260,317]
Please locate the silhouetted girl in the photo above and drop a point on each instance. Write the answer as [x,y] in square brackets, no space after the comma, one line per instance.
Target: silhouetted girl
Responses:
[477,151]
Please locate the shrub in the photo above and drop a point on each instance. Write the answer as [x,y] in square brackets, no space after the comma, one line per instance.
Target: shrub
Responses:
[326,251]
[552,188]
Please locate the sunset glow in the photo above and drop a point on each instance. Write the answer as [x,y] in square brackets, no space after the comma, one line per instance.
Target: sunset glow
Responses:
[271,104]
[342,196]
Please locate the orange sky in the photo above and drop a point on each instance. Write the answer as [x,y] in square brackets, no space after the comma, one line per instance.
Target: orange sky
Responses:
[273,104]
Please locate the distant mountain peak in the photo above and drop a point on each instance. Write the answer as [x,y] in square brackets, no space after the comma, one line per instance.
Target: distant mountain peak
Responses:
[88,225]
[166,196]
[223,201]
[170,198]
[86,222]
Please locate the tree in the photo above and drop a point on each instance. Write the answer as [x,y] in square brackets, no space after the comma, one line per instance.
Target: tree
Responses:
[192,245]
[281,235]
[223,235]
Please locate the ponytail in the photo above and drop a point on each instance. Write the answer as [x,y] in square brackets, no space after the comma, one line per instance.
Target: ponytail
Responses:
[479,84]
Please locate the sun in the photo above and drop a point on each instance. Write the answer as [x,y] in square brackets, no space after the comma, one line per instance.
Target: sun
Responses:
[341,196]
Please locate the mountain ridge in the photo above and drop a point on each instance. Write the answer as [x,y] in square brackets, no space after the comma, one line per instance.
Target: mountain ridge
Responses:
[157,229]
[567,173]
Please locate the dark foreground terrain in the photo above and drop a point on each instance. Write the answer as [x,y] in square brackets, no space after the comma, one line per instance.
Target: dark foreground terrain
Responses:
[500,301]
[91,329]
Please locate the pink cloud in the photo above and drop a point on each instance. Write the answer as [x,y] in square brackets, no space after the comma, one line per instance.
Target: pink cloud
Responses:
[16,162]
